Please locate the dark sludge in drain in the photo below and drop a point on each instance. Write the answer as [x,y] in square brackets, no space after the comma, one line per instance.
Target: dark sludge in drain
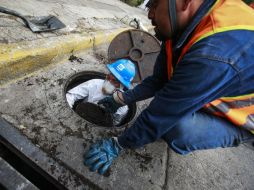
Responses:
[92,112]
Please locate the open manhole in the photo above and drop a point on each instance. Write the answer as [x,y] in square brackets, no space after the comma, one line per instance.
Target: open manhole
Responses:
[92,112]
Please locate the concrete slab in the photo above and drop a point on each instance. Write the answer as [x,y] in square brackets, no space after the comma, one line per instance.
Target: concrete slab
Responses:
[79,16]
[34,164]
[222,168]
[37,107]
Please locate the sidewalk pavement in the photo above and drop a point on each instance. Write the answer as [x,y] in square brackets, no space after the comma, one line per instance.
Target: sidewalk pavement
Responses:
[36,105]
[88,24]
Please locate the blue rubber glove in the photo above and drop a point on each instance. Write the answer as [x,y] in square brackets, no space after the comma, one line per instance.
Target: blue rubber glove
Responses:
[110,104]
[101,155]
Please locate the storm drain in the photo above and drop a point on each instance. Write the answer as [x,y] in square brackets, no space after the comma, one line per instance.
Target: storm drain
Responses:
[23,165]
[91,112]
[31,175]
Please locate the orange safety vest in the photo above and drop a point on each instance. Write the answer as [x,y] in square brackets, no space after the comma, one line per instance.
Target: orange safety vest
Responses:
[239,110]
[252,5]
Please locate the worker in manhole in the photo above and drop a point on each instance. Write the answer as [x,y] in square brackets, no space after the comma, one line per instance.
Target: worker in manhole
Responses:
[121,74]
[202,84]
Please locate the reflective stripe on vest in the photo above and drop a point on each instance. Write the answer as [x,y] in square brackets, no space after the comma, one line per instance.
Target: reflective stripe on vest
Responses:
[239,110]
[252,5]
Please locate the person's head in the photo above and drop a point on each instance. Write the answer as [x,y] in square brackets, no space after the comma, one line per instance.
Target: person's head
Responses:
[121,74]
[160,12]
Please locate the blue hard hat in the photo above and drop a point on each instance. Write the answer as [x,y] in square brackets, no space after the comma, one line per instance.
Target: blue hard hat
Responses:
[123,70]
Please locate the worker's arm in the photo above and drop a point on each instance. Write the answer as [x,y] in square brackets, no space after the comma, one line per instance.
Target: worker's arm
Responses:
[145,90]
[195,82]
[151,84]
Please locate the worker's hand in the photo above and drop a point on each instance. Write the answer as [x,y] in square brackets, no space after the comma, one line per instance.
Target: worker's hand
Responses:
[111,103]
[101,154]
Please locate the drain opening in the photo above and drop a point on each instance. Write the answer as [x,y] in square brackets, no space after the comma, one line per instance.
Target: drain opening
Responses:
[27,168]
[90,111]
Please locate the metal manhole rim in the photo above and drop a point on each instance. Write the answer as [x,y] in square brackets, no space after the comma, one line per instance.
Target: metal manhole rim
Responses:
[99,75]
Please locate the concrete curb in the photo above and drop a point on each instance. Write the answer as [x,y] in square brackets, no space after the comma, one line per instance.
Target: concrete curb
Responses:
[19,59]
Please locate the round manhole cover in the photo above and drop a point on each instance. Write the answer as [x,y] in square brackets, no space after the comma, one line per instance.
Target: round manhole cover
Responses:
[139,46]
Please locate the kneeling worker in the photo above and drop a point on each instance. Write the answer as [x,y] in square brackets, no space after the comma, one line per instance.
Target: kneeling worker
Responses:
[202,84]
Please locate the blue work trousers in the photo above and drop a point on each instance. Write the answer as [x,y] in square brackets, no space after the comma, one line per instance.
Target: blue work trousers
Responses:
[200,131]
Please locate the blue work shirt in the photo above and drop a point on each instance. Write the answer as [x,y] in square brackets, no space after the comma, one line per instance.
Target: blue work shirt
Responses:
[217,66]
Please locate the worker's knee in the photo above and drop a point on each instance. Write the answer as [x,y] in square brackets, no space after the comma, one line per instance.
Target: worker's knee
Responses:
[177,138]
[183,137]
[203,131]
